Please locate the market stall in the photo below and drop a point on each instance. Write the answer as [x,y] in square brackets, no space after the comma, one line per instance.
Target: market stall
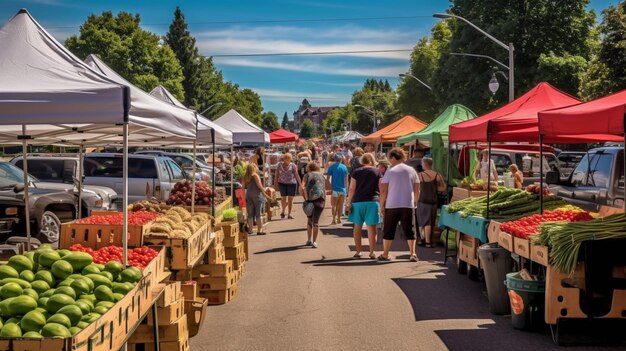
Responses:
[282,136]
[397,129]
[244,131]
[350,136]
[67,102]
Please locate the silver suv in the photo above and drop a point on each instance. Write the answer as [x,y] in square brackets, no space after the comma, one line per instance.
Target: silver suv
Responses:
[148,176]
[60,172]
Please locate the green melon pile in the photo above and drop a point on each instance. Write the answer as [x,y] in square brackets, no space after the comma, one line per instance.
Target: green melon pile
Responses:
[57,293]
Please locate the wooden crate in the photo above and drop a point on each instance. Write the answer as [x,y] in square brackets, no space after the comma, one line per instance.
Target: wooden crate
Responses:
[183,253]
[105,334]
[171,294]
[463,193]
[156,268]
[506,240]
[100,235]
[169,314]
[215,283]
[563,300]
[230,229]
[231,241]
[189,289]
[493,231]
[539,254]
[522,247]
[219,297]
[216,270]
[196,313]
[218,237]
[170,332]
[468,250]
[216,254]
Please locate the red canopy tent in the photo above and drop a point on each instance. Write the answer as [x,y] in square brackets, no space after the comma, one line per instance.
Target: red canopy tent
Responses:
[282,136]
[517,121]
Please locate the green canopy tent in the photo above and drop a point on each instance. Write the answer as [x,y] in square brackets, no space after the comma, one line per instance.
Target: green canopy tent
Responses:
[436,134]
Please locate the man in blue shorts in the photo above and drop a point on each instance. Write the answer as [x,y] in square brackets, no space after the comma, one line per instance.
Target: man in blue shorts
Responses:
[338,174]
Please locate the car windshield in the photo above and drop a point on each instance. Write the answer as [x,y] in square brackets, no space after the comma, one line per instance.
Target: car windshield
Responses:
[11,175]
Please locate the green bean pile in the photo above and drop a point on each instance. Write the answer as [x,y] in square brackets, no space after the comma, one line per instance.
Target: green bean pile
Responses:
[565,238]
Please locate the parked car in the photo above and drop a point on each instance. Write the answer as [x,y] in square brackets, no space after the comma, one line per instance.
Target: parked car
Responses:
[597,180]
[503,158]
[61,172]
[48,208]
[149,176]
[185,161]
[568,160]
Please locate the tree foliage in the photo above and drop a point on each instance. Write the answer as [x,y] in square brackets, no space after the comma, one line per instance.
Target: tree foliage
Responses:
[306,129]
[379,100]
[285,123]
[561,30]
[269,122]
[339,119]
[606,71]
[130,51]
[414,98]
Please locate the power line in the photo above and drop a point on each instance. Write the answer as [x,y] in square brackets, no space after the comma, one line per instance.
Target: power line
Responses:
[311,53]
[299,20]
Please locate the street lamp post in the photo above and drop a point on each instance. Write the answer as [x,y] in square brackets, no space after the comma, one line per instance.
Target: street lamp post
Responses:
[509,48]
[371,113]
[402,75]
[210,107]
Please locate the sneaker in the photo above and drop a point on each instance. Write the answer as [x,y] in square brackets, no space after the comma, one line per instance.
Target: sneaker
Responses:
[356,256]
[413,258]
[314,245]
[384,259]
[308,243]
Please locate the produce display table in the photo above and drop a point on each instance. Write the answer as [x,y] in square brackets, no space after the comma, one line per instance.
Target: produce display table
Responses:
[474,227]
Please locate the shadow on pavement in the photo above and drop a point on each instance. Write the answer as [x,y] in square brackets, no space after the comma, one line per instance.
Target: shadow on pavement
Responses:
[345,262]
[287,231]
[283,249]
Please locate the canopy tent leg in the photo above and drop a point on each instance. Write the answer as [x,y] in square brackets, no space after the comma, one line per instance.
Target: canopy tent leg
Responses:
[232,171]
[624,151]
[448,175]
[26,195]
[213,174]
[193,180]
[488,177]
[540,173]
[81,151]
[125,191]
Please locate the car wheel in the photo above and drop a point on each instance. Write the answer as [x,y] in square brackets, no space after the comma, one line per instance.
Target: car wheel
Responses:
[50,227]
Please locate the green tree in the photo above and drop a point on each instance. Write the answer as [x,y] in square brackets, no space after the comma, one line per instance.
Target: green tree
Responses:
[562,30]
[306,129]
[605,72]
[379,101]
[132,52]
[414,98]
[269,122]
[285,124]
[339,119]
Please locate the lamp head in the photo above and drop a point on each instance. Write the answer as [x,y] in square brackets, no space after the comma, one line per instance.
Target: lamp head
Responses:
[493,84]
[441,15]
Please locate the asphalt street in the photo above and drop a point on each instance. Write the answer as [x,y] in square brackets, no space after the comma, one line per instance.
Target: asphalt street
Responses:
[294,297]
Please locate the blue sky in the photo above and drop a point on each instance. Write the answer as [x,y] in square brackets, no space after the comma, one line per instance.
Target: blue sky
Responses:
[277,26]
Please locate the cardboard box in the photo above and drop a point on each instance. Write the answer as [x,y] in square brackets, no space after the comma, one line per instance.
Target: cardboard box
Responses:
[181,345]
[173,332]
[539,254]
[230,228]
[189,289]
[217,255]
[183,253]
[168,315]
[219,297]
[235,251]
[522,247]
[216,283]
[196,313]
[218,237]
[215,270]
[239,261]
[171,294]
[493,231]
[231,241]
[506,240]
[100,235]
[468,250]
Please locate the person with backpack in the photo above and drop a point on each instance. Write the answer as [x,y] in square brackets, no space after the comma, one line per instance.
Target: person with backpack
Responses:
[314,194]
[430,184]
[304,158]
[338,174]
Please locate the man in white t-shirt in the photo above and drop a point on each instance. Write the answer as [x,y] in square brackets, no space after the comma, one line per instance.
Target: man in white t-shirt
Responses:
[398,195]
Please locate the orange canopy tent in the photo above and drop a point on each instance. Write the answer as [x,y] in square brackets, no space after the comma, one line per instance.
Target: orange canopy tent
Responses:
[391,133]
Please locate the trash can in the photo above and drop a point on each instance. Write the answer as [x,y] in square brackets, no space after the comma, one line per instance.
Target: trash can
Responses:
[496,263]
[527,302]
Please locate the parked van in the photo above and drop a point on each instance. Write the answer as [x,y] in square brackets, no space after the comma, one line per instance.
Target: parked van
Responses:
[149,176]
[527,162]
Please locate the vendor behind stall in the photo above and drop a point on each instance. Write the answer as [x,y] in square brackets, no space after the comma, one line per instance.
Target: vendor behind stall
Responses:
[485,166]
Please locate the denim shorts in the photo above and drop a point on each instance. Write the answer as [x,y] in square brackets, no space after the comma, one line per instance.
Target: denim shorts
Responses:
[338,193]
[287,189]
[367,212]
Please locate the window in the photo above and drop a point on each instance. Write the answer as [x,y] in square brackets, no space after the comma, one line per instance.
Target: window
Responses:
[580,173]
[183,161]
[112,167]
[594,170]
[502,162]
[177,173]
[44,170]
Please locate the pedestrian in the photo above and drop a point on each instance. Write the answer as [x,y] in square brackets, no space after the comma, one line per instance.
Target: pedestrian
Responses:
[416,161]
[255,197]
[363,205]
[398,192]
[304,159]
[383,165]
[312,190]
[485,167]
[286,181]
[355,162]
[325,156]
[430,184]
[518,176]
[338,174]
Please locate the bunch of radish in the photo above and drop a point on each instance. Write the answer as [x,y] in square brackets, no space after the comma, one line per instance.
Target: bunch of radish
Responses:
[181,194]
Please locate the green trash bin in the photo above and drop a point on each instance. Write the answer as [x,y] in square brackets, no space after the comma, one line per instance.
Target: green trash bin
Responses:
[527,302]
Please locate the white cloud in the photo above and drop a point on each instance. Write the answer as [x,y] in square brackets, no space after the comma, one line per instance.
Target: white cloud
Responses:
[388,71]
[273,93]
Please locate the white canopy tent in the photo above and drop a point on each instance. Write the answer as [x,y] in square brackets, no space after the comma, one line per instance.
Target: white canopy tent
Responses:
[48,95]
[244,131]
[350,136]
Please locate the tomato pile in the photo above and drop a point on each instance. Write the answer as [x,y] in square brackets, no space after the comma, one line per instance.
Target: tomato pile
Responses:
[138,257]
[524,227]
[117,218]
